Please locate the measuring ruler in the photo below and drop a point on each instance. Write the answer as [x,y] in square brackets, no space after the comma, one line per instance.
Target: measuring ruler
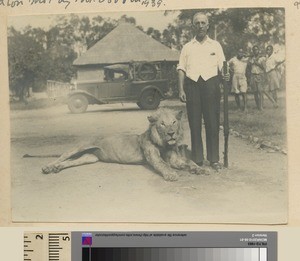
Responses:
[47,246]
[150,246]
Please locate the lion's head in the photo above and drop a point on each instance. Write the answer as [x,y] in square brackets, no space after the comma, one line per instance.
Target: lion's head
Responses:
[166,127]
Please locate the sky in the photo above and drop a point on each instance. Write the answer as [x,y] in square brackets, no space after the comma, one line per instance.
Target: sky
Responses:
[155,19]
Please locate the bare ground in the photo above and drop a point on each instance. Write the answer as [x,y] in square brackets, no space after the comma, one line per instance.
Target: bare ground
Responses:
[252,190]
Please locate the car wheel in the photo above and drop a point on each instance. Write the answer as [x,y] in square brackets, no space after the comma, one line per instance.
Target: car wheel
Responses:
[78,103]
[150,99]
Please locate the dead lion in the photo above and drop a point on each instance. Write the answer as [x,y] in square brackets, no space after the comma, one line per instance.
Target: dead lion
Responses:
[157,146]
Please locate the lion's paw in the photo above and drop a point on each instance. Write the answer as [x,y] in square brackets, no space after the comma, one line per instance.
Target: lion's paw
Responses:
[171,176]
[200,171]
[51,169]
[47,169]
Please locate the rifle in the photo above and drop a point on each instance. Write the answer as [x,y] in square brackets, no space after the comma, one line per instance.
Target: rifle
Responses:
[226,121]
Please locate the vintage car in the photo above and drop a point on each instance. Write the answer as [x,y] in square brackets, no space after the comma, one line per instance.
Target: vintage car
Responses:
[144,83]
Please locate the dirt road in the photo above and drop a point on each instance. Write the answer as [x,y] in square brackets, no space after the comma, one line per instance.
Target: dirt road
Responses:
[252,190]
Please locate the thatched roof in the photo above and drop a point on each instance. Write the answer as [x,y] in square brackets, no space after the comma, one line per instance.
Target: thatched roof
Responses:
[126,43]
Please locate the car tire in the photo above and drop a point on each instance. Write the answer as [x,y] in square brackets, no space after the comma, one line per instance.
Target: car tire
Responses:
[78,103]
[149,100]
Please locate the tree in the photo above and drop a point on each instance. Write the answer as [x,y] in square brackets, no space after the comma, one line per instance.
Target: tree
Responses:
[154,33]
[37,55]
[25,54]
[233,28]
[127,19]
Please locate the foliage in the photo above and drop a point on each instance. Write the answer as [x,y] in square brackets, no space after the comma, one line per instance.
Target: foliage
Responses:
[24,54]
[37,55]
[233,28]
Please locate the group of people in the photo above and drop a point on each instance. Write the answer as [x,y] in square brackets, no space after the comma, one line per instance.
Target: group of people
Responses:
[200,71]
[258,73]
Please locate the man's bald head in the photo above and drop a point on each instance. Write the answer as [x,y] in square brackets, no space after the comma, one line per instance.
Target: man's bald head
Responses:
[198,15]
[200,25]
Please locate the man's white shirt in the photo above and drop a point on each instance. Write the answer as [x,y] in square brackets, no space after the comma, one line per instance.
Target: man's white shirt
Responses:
[272,62]
[203,59]
[238,66]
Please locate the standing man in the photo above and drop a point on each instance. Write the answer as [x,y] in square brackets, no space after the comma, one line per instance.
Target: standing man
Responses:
[200,63]
[273,77]
[257,78]
[238,65]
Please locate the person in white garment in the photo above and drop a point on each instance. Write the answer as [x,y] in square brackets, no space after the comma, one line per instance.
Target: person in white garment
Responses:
[199,69]
[238,65]
[273,75]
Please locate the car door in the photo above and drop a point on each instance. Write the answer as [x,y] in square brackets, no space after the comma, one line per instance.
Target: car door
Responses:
[113,90]
[116,84]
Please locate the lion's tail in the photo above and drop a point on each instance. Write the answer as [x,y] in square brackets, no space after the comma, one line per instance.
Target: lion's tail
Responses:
[41,156]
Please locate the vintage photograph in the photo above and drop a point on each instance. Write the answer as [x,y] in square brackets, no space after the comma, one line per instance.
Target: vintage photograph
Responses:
[174,116]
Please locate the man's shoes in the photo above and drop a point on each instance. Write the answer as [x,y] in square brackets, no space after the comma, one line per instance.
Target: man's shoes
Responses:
[216,166]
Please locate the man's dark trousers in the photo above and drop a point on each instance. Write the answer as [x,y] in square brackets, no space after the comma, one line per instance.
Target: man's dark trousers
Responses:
[203,98]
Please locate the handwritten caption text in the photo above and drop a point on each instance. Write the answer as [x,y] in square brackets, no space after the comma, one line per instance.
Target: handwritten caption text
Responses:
[67,3]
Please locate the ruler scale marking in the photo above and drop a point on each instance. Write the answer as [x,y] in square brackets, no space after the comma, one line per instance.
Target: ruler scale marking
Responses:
[58,234]
[47,246]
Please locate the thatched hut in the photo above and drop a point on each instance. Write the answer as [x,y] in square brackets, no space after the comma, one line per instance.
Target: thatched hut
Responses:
[123,45]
